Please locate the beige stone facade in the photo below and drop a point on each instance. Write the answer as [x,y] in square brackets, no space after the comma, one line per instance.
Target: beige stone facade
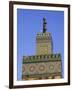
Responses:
[44,44]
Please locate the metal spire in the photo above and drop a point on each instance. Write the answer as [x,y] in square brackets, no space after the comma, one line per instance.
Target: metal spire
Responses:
[44,25]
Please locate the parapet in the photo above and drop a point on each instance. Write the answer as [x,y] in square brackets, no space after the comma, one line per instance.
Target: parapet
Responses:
[42,58]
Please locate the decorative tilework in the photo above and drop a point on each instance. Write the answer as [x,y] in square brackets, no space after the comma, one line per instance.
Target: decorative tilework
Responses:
[42,67]
[32,68]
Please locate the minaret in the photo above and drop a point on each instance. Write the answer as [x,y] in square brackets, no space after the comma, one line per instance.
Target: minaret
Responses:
[44,41]
[40,66]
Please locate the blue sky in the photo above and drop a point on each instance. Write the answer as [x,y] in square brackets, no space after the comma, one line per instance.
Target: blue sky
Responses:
[29,23]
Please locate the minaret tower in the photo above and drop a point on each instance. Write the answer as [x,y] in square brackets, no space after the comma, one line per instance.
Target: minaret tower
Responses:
[45,64]
[44,43]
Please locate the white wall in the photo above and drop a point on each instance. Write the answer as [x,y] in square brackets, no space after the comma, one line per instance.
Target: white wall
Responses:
[4,44]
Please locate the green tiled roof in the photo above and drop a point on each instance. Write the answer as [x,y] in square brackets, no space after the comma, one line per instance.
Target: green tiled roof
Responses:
[34,58]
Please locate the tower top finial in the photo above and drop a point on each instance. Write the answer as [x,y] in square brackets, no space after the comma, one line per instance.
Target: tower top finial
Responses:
[44,25]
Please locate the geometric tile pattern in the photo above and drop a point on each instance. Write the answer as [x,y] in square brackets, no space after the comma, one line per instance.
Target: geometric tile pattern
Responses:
[41,68]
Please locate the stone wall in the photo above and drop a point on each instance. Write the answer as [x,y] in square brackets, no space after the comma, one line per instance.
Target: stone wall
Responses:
[44,44]
[41,66]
